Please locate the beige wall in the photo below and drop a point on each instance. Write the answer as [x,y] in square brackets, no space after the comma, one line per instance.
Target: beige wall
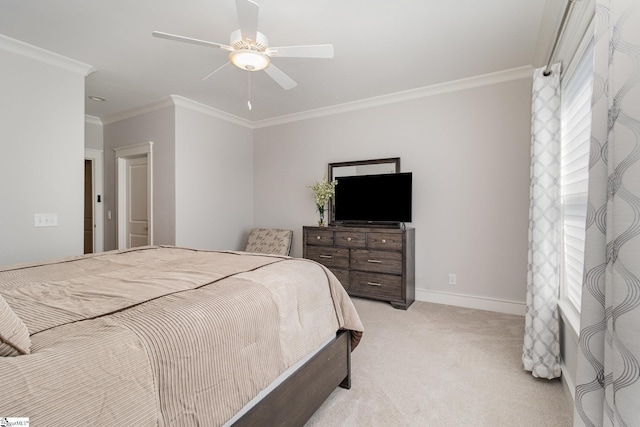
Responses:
[157,126]
[42,143]
[93,133]
[469,154]
[214,181]
[202,172]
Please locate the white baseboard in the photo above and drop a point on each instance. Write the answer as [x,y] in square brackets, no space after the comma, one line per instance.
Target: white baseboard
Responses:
[468,301]
[568,384]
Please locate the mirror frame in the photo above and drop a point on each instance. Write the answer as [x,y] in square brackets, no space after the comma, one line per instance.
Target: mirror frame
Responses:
[392,160]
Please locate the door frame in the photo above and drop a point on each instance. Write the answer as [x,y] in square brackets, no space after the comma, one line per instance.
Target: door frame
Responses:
[122,155]
[95,156]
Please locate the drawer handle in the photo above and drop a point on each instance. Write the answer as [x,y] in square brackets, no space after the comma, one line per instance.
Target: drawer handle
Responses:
[349,239]
[374,261]
[318,237]
[326,256]
[384,241]
[373,284]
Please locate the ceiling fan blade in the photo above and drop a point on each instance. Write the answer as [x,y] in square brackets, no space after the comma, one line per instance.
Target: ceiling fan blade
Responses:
[215,71]
[310,51]
[248,19]
[280,77]
[190,40]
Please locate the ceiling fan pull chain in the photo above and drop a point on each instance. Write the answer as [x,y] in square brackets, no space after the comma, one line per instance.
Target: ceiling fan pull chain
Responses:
[249,91]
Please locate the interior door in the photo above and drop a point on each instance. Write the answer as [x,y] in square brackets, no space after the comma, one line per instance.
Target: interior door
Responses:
[137,220]
[88,206]
[134,171]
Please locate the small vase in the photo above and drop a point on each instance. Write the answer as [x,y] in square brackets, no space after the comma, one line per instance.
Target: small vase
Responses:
[321,212]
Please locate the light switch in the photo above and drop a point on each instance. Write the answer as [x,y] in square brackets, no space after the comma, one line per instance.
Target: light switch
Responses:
[46,220]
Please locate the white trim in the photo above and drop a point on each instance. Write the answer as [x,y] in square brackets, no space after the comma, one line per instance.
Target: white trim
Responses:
[134,150]
[568,385]
[177,100]
[98,190]
[423,92]
[122,154]
[570,315]
[92,120]
[210,111]
[133,112]
[469,301]
[30,51]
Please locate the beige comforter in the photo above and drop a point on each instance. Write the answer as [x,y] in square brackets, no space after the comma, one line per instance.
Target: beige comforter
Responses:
[161,335]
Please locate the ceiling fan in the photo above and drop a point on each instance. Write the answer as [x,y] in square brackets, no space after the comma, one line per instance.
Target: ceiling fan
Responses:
[249,49]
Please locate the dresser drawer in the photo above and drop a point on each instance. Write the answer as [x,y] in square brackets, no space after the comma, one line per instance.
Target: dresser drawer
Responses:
[331,257]
[350,239]
[319,237]
[390,241]
[382,286]
[376,261]
[370,262]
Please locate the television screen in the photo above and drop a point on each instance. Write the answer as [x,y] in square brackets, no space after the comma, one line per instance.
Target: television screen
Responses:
[374,198]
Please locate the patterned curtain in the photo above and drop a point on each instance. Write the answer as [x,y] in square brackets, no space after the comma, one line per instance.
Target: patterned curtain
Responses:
[541,349]
[608,384]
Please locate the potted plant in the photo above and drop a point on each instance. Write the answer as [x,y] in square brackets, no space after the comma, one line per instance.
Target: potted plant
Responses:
[323,191]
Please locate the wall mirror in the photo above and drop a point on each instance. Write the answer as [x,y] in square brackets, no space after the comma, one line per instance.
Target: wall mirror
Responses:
[360,167]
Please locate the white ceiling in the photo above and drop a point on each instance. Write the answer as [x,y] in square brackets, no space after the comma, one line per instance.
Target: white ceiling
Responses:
[381,47]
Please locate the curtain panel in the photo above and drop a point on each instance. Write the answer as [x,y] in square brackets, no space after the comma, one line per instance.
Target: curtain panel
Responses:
[541,348]
[608,375]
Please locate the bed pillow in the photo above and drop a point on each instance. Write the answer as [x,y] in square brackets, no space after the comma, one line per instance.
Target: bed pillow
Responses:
[14,336]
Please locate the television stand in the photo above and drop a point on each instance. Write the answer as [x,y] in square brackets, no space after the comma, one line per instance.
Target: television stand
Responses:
[370,261]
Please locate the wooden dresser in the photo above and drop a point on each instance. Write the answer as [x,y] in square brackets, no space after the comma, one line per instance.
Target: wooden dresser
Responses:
[377,263]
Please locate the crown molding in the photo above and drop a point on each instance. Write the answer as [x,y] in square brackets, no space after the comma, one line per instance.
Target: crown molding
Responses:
[133,112]
[92,120]
[30,51]
[423,92]
[408,95]
[181,101]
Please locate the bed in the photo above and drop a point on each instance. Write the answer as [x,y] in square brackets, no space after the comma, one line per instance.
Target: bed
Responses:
[168,336]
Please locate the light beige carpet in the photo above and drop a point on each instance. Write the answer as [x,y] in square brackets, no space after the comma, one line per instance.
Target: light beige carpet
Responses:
[437,365]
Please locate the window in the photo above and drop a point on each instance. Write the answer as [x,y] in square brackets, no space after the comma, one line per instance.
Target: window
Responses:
[576,95]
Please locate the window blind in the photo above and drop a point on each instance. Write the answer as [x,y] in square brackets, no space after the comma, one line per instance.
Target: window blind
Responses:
[574,171]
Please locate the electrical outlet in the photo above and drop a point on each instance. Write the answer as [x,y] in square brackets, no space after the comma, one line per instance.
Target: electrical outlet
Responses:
[452,279]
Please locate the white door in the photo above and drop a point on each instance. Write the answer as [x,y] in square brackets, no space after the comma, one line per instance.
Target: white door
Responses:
[134,171]
[137,220]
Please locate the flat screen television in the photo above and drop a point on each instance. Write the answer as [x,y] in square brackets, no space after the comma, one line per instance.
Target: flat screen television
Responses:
[374,199]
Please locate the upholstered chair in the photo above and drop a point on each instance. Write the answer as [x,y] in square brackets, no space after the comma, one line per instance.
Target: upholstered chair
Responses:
[269,241]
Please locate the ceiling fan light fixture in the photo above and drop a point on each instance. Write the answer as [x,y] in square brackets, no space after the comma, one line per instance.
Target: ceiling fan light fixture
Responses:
[249,60]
